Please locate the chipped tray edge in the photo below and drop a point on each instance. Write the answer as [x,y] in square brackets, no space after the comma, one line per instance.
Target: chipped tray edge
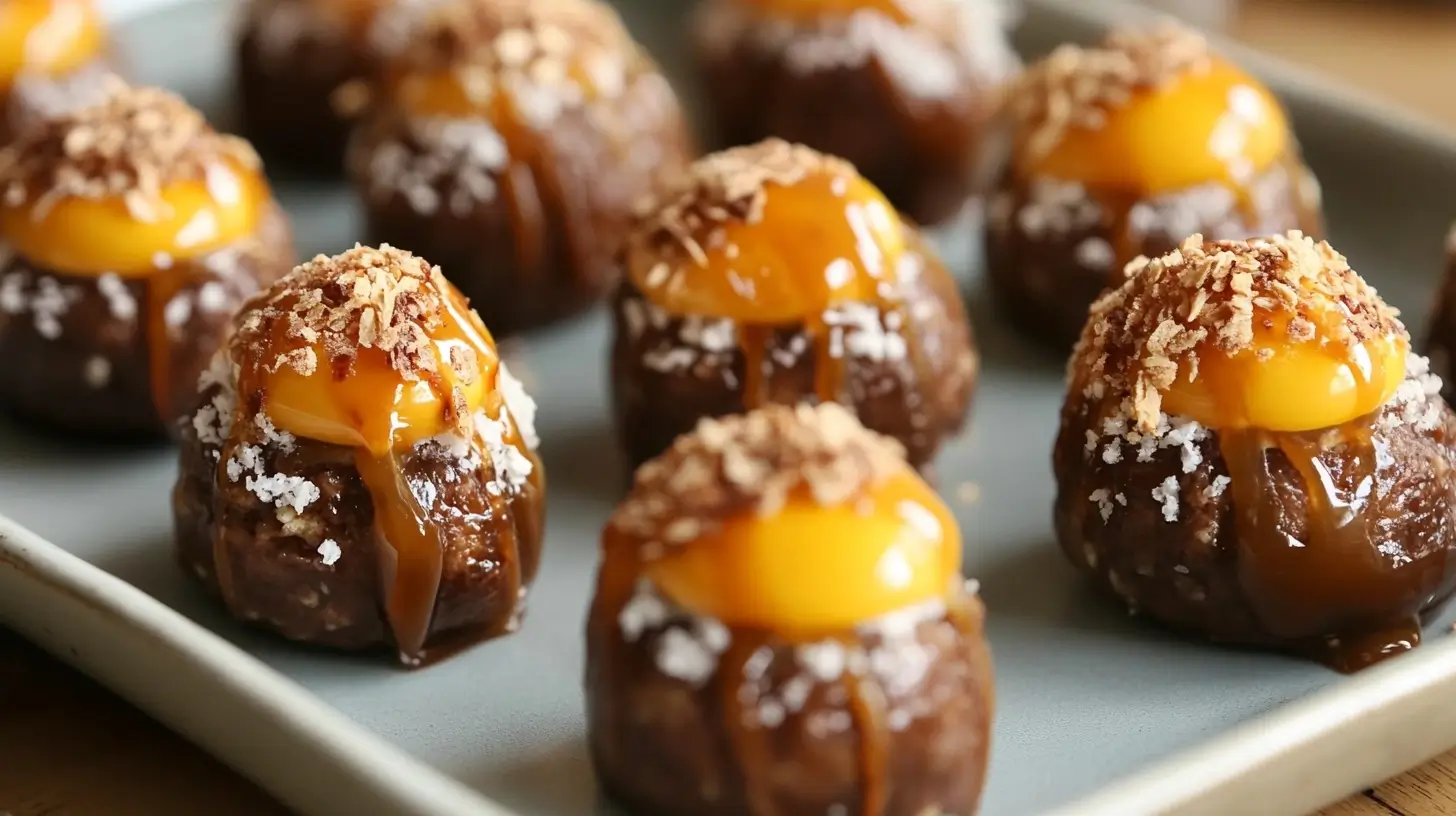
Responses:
[251,717]
[1294,759]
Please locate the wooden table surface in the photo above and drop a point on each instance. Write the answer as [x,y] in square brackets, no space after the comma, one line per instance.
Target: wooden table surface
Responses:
[69,748]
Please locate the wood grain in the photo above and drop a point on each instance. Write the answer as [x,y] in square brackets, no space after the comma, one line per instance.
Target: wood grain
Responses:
[70,748]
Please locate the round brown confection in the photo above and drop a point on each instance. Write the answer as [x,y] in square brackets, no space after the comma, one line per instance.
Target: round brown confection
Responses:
[909,365]
[909,98]
[688,715]
[292,57]
[1441,336]
[1152,508]
[283,528]
[523,213]
[1053,244]
[113,355]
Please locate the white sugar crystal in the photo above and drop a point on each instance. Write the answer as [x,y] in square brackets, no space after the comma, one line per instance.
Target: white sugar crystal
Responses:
[119,299]
[520,406]
[644,610]
[330,551]
[1167,494]
[824,660]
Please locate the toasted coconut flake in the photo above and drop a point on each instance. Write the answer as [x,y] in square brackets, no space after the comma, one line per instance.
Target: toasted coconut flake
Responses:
[130,145]
[1075,87]
[673,227]
[1204,298]
[750,464]
[383,298]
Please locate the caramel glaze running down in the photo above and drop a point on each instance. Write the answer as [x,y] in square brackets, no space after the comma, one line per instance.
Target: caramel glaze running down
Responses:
[1323,572]
[720,748]
[410,543]
[1329,543]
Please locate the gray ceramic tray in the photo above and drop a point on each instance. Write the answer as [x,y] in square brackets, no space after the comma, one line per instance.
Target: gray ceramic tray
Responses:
[1097,712]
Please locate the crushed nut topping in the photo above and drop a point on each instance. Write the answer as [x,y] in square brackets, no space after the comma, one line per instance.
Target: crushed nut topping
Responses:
[732,185]
[566,45]
[1075,86]
[750,464]
[130,144]
[1207,297]
[385,299]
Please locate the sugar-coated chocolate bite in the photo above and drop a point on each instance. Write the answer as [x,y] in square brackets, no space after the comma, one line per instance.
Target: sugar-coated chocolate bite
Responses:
[1122,150]
[1250,452]
[361,468]
[749,651]
[292,57]
[906,90]
[507,140]
[130,231]
[1441,334]
[776,274]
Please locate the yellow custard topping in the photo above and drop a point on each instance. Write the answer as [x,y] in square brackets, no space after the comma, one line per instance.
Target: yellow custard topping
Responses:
[47,37]
[375,408]
[811,569]
[1279,384]
[827,239]
[1216,125]
[92,236]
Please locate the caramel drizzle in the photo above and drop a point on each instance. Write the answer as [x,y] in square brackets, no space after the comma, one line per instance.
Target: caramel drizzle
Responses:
[1332,590]
[410,544]
[831,360]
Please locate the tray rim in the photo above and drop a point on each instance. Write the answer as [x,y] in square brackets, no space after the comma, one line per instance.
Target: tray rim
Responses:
[1299,756]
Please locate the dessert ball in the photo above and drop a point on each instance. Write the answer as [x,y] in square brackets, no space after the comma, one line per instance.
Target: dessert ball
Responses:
[129,233]
[507,140]
[1250,453]
[775,274]
[360,469]
[54,57]
[906,90]
[292,56]
[1124,150]
[748,650]
[1441,338]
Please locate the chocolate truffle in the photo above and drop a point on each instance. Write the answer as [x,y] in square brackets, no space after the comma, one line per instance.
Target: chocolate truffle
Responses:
[129,233]
[1123,150]
[906,90]
[749,653]
[776,274]
[360,469]
[1250,453]
[507,140]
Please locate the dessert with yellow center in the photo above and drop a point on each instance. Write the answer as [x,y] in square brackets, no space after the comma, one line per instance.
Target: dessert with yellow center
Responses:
[1250,452]
[130,231]
[781,626]
[1124,149]
[53,56]
[906,90]
[292,56]
[776,274]
[508,140]
[360,468]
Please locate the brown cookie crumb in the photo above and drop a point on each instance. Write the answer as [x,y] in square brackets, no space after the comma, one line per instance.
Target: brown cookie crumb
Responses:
[131,144]
[1205,298]
[1075,87]
[750,464]
[674,226]
[383,298]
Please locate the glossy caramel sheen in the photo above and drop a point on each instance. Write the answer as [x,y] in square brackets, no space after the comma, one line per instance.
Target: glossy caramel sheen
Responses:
[47,37]
[373,406]
[1217,126]
[810,569]
[379,413]
[810,10]
[1283,386]
[831,238]
[93,236]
